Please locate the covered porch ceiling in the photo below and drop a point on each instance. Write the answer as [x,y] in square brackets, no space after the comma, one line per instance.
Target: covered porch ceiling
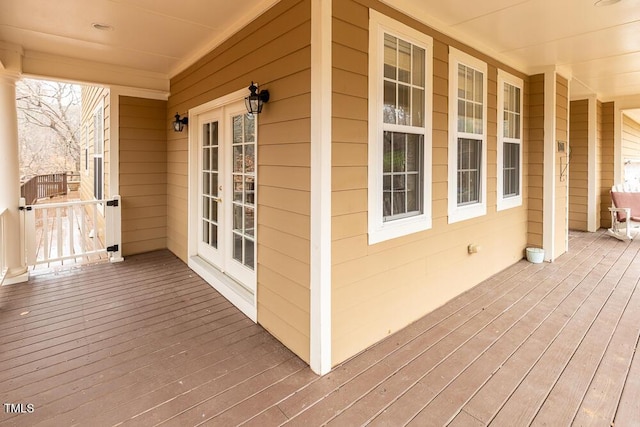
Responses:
[597,46]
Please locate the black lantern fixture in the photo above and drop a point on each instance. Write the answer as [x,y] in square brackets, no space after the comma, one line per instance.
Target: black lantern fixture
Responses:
[178,123]
[255,100]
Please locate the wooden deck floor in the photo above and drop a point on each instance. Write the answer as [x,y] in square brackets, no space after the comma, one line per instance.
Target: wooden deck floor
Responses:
[147,342]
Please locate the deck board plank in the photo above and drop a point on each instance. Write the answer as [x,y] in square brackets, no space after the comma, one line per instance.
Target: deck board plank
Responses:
[147,341]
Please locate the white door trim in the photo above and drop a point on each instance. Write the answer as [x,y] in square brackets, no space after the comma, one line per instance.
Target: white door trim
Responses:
[236,293]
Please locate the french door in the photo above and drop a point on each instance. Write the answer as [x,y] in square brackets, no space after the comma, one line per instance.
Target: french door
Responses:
[227,192]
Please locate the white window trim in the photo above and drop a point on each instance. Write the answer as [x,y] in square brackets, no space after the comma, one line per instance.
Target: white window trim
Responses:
[100,155]
[461,213]
[379,230]
[86,150]
[513,201]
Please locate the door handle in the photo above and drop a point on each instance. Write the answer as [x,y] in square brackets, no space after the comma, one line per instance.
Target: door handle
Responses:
[217,199]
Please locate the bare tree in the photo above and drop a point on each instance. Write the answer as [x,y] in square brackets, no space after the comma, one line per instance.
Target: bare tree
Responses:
[48,126]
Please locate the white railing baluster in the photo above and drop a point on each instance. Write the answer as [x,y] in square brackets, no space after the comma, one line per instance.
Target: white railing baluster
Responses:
[30,236]
[59,241]
[96,231]
[71,233]
[83,229]
[45,232]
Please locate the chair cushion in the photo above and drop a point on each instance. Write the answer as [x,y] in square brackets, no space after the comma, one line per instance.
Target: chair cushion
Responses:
[626,200]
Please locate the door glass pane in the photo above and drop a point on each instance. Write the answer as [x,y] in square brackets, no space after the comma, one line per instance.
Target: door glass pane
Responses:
[237,158]
[250,191]
[209,176]
[249,128]
[214,236]
[205,231]
[237,188]
[249,221]
[237,129]
[244,168]
[214,184]
[249,158]
[237,218]
[237,247]
[214,211]
[206,211]
[206,159]
[249,253]
[214,158]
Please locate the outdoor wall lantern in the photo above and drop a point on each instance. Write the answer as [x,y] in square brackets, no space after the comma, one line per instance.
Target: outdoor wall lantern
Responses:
[178,123]
[255,100]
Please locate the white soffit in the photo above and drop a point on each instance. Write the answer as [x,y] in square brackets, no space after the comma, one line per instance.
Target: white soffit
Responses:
[598,46]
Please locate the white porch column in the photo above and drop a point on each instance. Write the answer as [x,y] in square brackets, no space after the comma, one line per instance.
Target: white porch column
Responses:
[10,177]
[549,187]
[320,346]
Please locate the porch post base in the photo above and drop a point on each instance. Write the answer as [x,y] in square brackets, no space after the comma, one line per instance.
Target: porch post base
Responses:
[15,278]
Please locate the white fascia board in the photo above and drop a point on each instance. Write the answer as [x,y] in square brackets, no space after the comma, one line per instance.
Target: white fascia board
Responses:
[44,65]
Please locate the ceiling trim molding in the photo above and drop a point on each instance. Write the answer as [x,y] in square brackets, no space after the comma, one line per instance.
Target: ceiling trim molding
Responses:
[10,58]
[44,65]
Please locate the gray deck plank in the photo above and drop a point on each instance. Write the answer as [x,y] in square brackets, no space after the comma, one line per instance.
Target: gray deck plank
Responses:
[147,341]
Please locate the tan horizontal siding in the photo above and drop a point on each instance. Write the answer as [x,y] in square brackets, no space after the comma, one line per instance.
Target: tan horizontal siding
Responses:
[536,159]
[273,50]
[143,178]
[377,289]
[579,166]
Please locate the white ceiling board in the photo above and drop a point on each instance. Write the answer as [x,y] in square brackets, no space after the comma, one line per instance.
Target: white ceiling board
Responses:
[594,44]
[160,36]
[548,21]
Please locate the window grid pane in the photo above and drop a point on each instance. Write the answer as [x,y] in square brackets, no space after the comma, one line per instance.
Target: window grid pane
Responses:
[404,82]
[470,100]
[402,175]
[511,114]
[469,172]
[511,169]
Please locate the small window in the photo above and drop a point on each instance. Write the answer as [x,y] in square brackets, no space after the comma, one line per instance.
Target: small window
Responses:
[98,152]
[509,141]
[468,136]
[400,88]
[86,150]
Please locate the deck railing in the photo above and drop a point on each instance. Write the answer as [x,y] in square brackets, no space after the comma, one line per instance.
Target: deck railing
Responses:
[43,186]
[72,230]
[3,246]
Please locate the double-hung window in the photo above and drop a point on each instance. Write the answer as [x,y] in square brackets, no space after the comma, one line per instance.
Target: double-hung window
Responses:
[509,141]
[400,88]
[468,136]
